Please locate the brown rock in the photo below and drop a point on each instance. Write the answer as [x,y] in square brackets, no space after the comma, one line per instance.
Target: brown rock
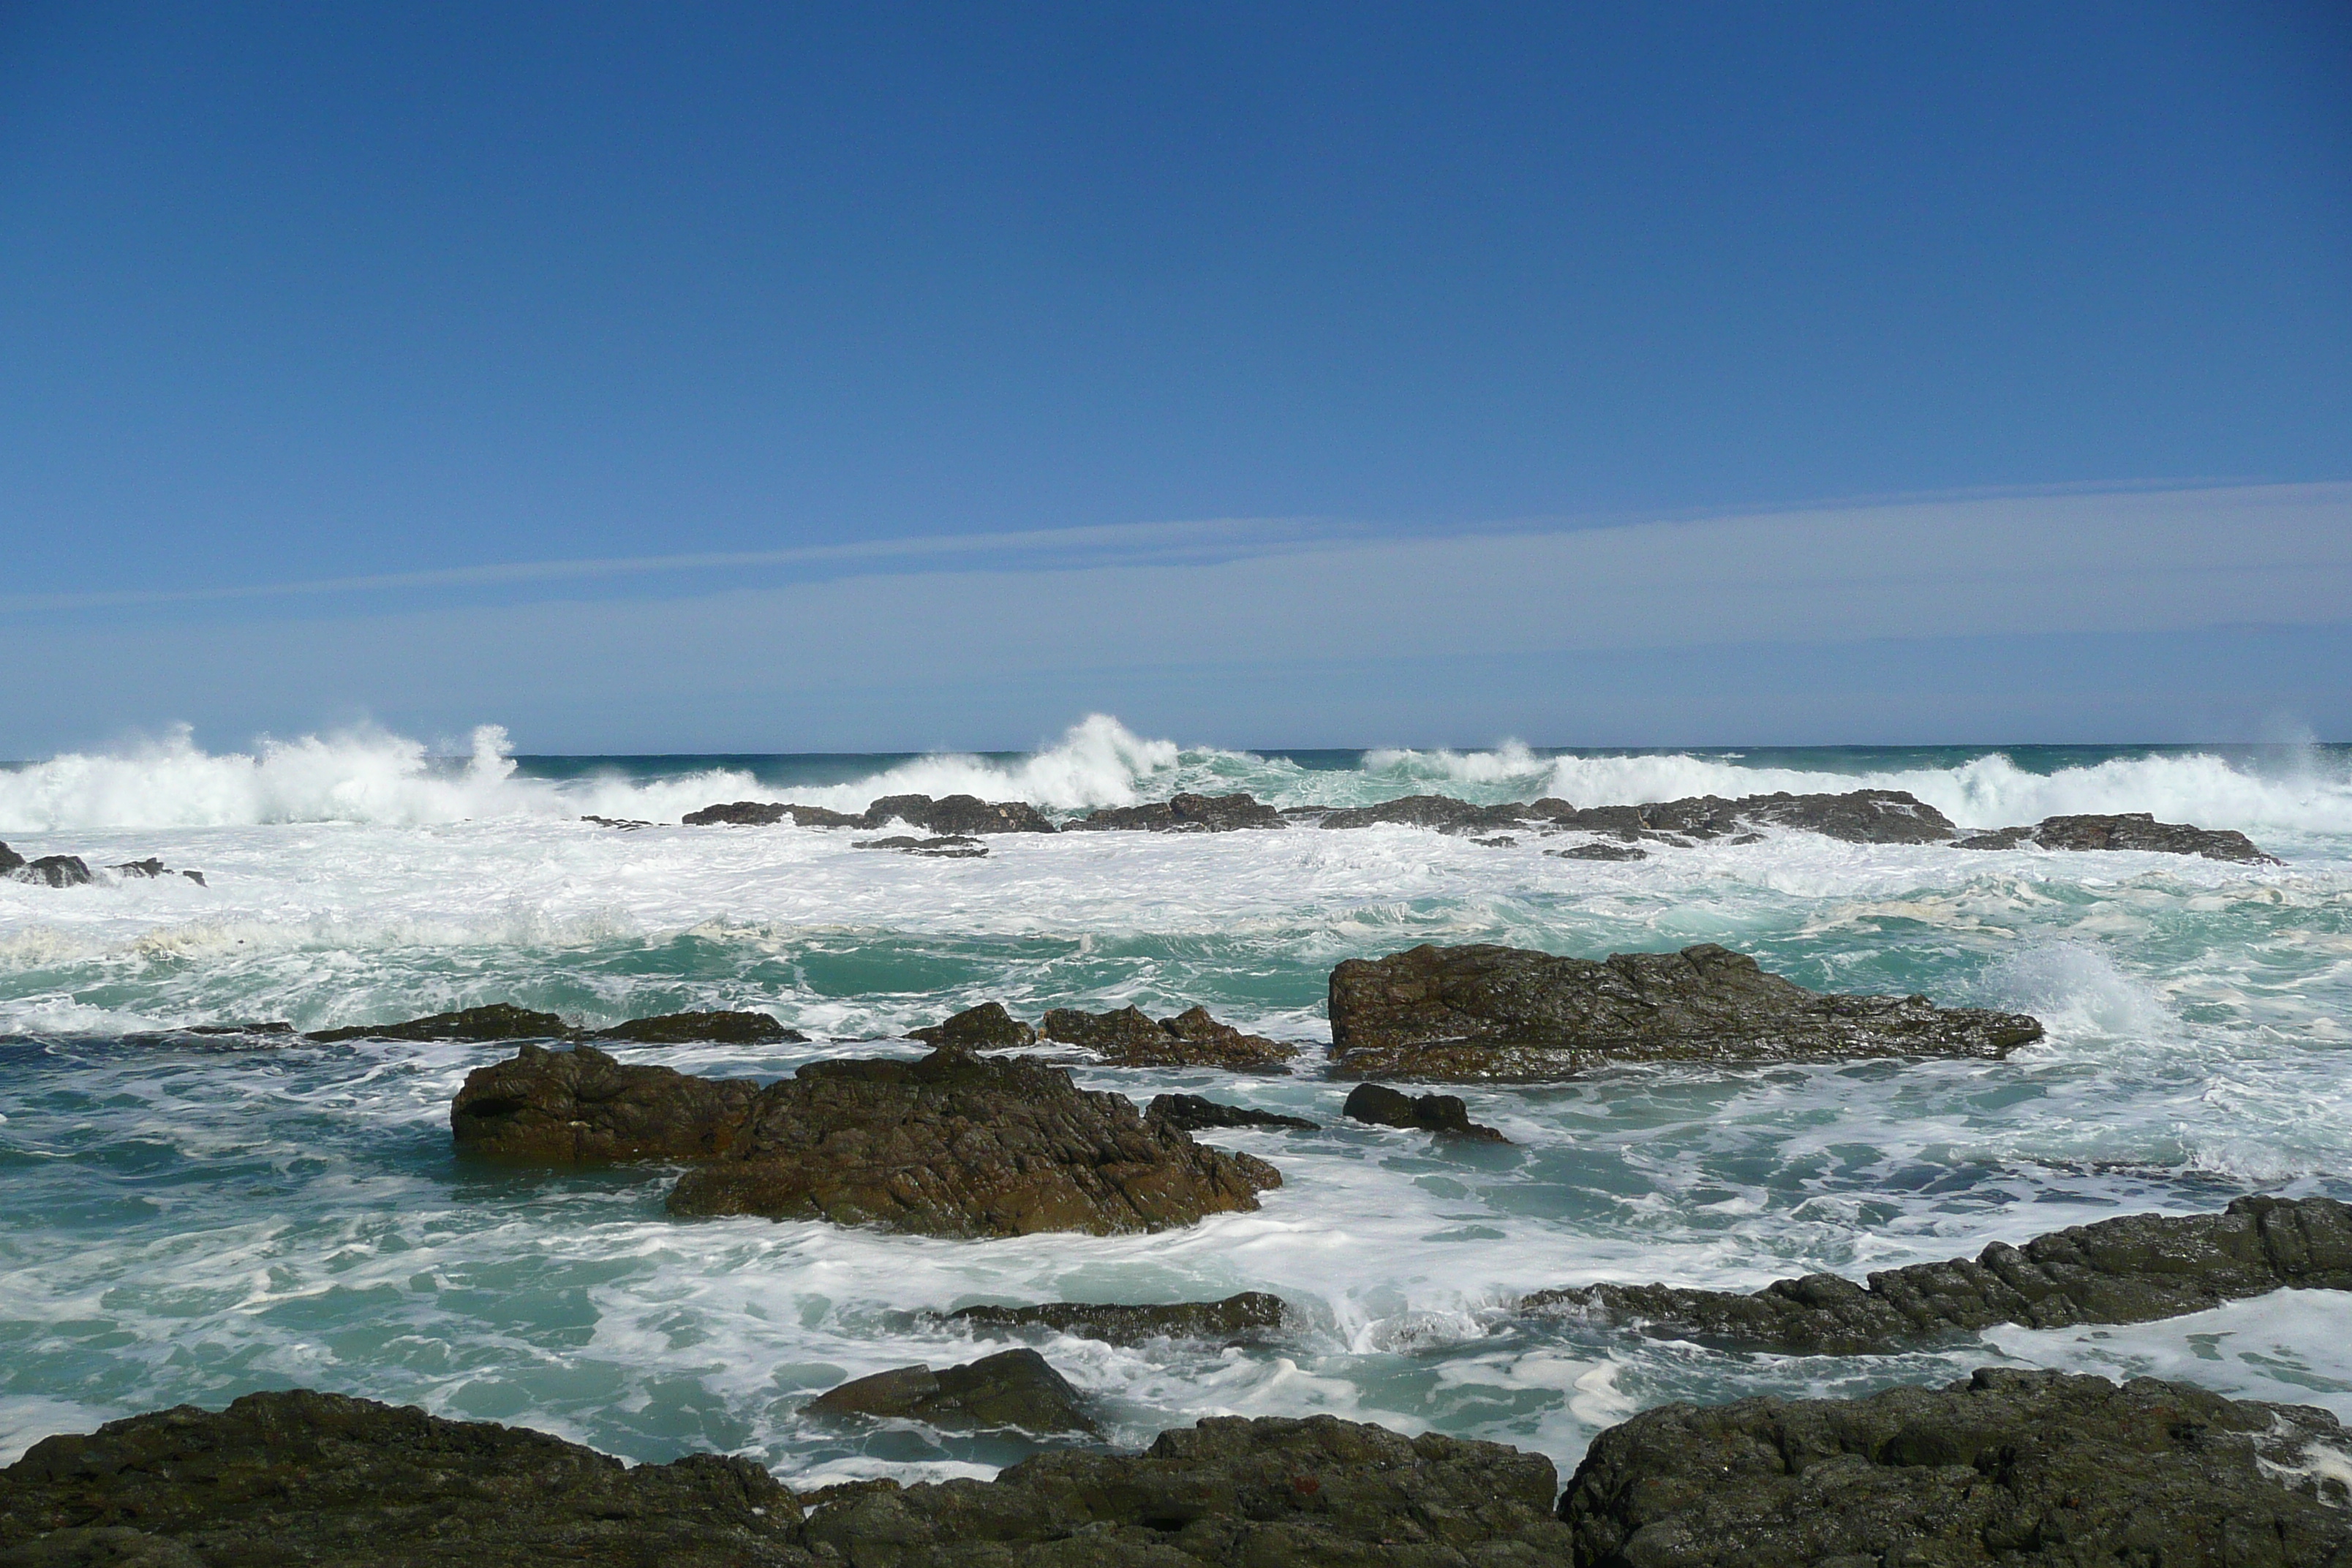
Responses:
[987,1027]
[1441,1114]
[581,1106]
[717,1028]
[1016,1388]
[2127,830]
[959,815]
[498,1021]
[1193,1038]
[1248,1318]
[1184,813]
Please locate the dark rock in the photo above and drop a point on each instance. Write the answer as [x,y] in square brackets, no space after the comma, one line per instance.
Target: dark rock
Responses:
[824,816]
[1013,1388]
[150,866]
[1191,1113]
[10,861]
[197,878]
[1600,849]
[959,815]
[2127,830]
[498,1021]
[1443,1113]
[270,1028]
[961,1145]
[1857,816]
[987,1027]
[1185,813]
[1489,1011]
[715,1028]
[2131,1269]
[279,1481]
[2007,1467]
[56,871]
[581,1106]
[1248,1318]
[1441,812]
[953,847]
[626,824]
[736,813]
[1125,1038]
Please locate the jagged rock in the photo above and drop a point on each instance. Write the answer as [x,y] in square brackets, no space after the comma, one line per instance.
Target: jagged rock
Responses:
[1501,1013]
[1857,816]
[626,824]
[1191,1113]
[952,847]
[150,867]
[1125,1038]
[1600,849]
[498,1021]
[1441,812]
[1248,1318]
[961,1145]
[279,1027]
[959,815]
[2127,830]
[1013,1388]
[736,813]
[1441,1114]
[715,1027]
[2130,1270]
[279,1481]
[54,870]
[1185,813]
[580,1106]
[987,1027]
[2039,1469]
[10,861]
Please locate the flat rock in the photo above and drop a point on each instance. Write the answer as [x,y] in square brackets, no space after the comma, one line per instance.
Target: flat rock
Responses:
[987,1027]
[1193,1114]
[1016,1388]
[2008,1467]
[959,815]
[717,1027]
[1441,812]
[580,1106]
[1440,1113]
[1127,1038]
[52,870]
[498,1021]
[279,1481]
[961,1145]
[736,813]
[1600,849]
[2127,830]
[951,848]
[1248,1318]
[2131,1269]
[1184,813]
[1487,1012]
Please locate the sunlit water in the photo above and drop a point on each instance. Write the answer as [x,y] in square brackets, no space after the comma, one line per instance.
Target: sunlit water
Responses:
[187,1221]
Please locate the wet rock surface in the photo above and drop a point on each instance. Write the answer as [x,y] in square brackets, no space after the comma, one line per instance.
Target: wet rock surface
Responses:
[1487,1012]
[736,813]
[580,1106]
[497,1021]
[1248,1318]
[2008,1467]
[948,848]
[624,824]
[1600,849]
[1193,1038]
[715,1027]
[1441,812]
[1017,1388]
[53,870]
[1183,814]
[2131,1269]
[987,1027]
[2127,830]
[1443,1113]
[960,814]
[961,1145]
[1194,1113]
[10,861]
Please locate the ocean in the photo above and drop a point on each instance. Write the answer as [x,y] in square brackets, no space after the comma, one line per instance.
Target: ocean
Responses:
[189,1218]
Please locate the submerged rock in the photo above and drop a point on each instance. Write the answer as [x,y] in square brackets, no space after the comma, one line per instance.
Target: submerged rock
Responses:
[987,1027]
[1443,1113]
[498,1021]
[580,1106]
[626,824]
[1191,1113]
[2007,1467]
[2131,1269]
[952,847]
[961,1145]
[1248,1318]
[2127,830]
[1501,1013]
[959,815]
[52,870]
[1184,813]
[715,1028]
[1128,1039]
[1013,1388]
[1600,849]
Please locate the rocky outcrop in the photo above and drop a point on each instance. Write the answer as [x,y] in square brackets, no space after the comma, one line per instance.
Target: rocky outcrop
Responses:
[580,1106]
[738,814]
[2127,830]
[948,848]
[53,871]
[10,861]
[626,824]
[1600,849]
[2038,1470]
[1193,1114]
[1499,1013]
[1127,1039]
[961,1145]
[1441,812]
[2131,1269]
[1856,817]
[279,1481]
[1440,1113]
[711,1028]
[987,1027]
[1016,1389]
[1184,813]
[1249,1318]
[960,814]
[498,1021]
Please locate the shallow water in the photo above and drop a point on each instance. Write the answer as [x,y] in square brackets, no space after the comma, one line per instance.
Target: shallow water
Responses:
[192,1220]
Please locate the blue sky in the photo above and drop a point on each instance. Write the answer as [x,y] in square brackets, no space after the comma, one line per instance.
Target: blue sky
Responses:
[669,377]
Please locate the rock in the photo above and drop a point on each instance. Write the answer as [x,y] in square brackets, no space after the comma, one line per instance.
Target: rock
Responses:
[55,870]
[961,1145]
[150,866]
[987,1027]
[1185,813]
[1600,849]
[952,847]
[2127,830]
[2130,1270]
[2009,1466]
[1441,812]
[1442,1113]
[1125,1038]
[626,824]
[10,861]
[197,878]
[270,1028]
[736,813]
[580,1106]
[717,1027]
[1013,1388]
[498,1021]
[1857,816]
[1501,1013]
[1248,1318]
[1191,1114]
[281,1479]
[959,815]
